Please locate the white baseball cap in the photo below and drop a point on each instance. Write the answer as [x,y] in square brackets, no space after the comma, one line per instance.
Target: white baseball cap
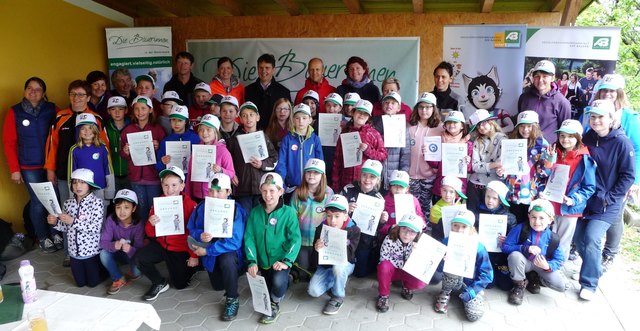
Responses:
[335,98]
[146,77]
[528,117]
[542,205]
[545,66]
[400,178]
[337,201]
[230,99]
[464,216]
[364,106]
[116,102]
[351,98]
[455,183]
[220,181]
[86,118]
[315,165]
[179,112]
[174,170]
[602,107]
[84,175]
[478,116]
[373,167]
[571,126]
[500,188]
[612,82]
[428,98]
[272,178]
[455,116]
[249,105]
[128,195]
[202,86]
[171,96]
[302,108]
[412,221]
[142,99]
[393,95]
[210,120]
[311,94]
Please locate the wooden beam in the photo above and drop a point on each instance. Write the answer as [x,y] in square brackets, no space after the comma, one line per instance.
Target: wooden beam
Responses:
[175,7]
[291,6]
[570,13]
[128,9]
[486,6]
[232,7]
[418,6]
[353,6]
[555,5]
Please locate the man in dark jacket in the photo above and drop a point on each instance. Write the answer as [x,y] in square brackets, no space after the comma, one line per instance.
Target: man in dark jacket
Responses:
[265,90]
[183,81]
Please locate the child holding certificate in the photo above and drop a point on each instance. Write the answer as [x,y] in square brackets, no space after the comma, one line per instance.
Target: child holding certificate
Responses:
[394,252]
[172,249]
[308,201]
[180,131]
[582,181]
[532,246]
[144,179]
[398,184]
[117,108]
[272,241]
[371,146]
[208,133]
[221,257]
[451,194]
[332,105]
[368,184]
[297,147]
[524,188]
[470,289]
[333,278]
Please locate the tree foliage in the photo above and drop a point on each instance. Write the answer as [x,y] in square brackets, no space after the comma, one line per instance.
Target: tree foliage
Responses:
[626,15]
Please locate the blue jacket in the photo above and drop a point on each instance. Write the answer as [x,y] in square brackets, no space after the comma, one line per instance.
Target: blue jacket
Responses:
[295,150]
[482,275]
[615,174]
[219,246]
[581,186]
[32,138]
[540,239]
[188,135]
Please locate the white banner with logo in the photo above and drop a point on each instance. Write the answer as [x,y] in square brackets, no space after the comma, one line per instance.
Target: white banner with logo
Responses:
[386,57]
[487,62]
[141,51]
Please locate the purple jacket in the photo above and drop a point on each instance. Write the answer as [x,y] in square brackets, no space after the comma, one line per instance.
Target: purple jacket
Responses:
[112,231]
[552,107]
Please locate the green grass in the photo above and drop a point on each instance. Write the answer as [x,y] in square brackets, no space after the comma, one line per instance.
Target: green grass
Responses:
[631,250]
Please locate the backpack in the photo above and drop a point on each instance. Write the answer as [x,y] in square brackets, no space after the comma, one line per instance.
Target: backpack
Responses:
[553,243]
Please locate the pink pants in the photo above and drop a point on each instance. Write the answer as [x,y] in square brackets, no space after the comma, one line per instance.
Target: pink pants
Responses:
[387,273]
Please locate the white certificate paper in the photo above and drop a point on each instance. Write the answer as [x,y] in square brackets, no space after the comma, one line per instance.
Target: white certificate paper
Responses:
[514,156]
[171,214]
[404,205]
[461,254]
[253,145]
[453,160]
[395,130]
[218,217]
[334,251]
[489,228]
[448,213]
[329,128]
[351,155]
[203,158]
[434,148]
[425,258]
[259,294]
[141,148]
[557,183]
[367,214]
[180,151]
[47,197]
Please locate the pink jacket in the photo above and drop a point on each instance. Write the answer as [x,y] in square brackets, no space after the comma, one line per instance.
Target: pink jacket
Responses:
[390,207]
[419,168]
[223,159]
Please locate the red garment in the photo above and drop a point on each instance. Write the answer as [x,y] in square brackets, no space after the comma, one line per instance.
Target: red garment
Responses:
[572,159]
[447,138]
[390,207]
[323,88]
[141,173]
[174,243]
[404,109]
[368,135]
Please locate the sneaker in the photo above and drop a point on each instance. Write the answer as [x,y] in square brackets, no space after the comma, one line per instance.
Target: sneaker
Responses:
[406,294]
[586,295]
[116,286]
[533,285]
[154,291]
[58,241]
[47,246]
[383,303]
[332,307]
[131,277]
[66,262]
[573,254]
[275,311]
[231,309]
[575,275]
[607,262]
[442,303]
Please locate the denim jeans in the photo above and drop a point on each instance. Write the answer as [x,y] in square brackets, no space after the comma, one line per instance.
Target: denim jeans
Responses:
[332,278]
[37,212]
[614,236]
[588,238]
[225,274]
[110,262]
[145,194]
[277,283]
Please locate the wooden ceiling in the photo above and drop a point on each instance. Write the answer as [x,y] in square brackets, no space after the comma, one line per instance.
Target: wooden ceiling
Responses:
[190,8]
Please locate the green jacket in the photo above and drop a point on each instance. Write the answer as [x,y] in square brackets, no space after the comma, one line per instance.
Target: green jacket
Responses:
[119,164]
[273,237]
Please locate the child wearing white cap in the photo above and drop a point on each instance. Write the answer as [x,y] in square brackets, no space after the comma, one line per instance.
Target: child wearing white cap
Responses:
[180,132]
[170,100]
[199,108]
[349,104]
[229,124]
[524,188]
[117,108]
[272,241]
[122,235]
[82,219]
[221,257]
[308,201]
[532,246]
[312,99]
[332,105]
[371,146]
[398,184]
[333,278]
[394,252]
[450,194]
[296,148]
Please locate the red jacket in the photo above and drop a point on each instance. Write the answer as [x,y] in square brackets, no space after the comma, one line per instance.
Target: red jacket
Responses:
[140,173]
[390,207]
[368,135]
[175,243]
[323,89]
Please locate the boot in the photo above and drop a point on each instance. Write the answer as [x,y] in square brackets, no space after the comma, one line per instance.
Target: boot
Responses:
[517,292]
[533,280]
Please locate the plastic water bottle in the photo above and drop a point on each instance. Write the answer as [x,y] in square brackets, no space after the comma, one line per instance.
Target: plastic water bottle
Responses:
[27,282]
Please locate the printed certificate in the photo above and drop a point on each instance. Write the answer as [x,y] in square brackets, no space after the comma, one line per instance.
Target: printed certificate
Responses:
[351,155]
[453,160]
[489,228]
[329,128]
[180,151]
[253,145]
[557,183]
[203,158]
[141,148]
[218,217]
[461,254]
[367,213]
[425,258]
[47,196]
[259,294]
[434,148]
[171,214]
[514,156]
[335,246]
[395,130]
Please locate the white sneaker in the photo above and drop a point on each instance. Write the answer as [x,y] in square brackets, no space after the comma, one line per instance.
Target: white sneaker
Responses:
[586,294]
[575,276]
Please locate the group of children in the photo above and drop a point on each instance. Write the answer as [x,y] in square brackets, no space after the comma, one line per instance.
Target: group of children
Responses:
[283,200]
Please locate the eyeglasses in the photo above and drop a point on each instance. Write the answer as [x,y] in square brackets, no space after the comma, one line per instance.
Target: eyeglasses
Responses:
[283,109]
[79,95]
[425,107]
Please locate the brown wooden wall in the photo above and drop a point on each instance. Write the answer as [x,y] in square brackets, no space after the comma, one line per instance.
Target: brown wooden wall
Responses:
[429,27]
